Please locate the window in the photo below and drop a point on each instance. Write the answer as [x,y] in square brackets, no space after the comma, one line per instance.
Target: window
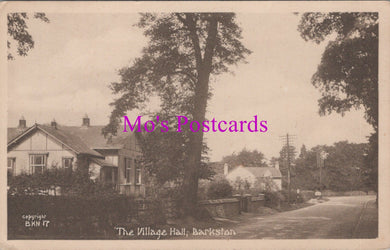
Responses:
[112,159]
[11,166]
[37,163]
[67,163]
[137,172]
[128,170]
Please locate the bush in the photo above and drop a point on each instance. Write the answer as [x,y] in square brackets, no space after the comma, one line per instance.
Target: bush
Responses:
[72,217]
[219,188]
[202,189]
[306,195]
[82,209]
[294,196]
[69,183]
[273,199]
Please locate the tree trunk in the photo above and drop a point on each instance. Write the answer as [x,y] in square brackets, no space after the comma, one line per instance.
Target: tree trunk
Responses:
[191,174]
[192,164]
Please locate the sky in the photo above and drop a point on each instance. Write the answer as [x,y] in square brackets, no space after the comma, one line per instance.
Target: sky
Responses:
[77,56]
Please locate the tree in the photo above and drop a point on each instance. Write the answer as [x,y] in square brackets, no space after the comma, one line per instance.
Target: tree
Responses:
[164,155]
[246,158]
[184,51]
[370,167]
[286,160]
[348,73]
[303,152]
[284,154]
[18,31]
[342,170]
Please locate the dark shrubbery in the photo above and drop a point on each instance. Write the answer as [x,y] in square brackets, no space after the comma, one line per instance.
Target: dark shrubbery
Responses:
[81,208]
[74,217]
[219,188]
[306,195]
[294,196]
[273,199]
[59,181]
[69,216]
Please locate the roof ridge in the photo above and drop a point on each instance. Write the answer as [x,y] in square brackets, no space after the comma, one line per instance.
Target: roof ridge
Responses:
[73,142]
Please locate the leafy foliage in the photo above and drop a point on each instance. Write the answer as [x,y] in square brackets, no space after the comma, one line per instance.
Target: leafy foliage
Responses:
[171,63]
[348,73]
[63,181]
[246,158]
[219,188]
[18,31]
[273,199]
[164,155]
[286,153]
[343,168]
[303,151]
[370,168]
[70,216]
[184,50]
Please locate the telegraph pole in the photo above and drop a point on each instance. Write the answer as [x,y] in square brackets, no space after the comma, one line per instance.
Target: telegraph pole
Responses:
[287,139]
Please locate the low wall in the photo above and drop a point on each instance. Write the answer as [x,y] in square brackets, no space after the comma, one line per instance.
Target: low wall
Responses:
[222,207]
[233,206]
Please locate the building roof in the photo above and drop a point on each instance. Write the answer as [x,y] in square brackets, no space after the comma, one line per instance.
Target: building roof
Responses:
[261,171]
[93,137]
[71,141]
[12,133]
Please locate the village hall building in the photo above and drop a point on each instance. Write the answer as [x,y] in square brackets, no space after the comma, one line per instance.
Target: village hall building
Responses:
[114,160]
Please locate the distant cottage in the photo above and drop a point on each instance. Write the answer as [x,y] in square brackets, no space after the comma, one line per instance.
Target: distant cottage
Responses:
[252,174]
[112,160]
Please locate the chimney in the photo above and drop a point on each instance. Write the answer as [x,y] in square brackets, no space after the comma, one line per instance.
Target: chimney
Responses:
[86,121]
[22,123]
[53,123]
[277,164]
[225,169]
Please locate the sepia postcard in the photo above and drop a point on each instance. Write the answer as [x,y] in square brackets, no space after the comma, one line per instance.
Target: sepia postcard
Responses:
[187,125]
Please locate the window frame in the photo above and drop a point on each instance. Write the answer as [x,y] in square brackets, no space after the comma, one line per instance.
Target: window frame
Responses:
[138,173]
[32,165]
[70,168]
[13,167]
[128,163]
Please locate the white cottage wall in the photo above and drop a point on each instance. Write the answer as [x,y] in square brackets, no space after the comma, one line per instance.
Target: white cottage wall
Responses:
[38,143]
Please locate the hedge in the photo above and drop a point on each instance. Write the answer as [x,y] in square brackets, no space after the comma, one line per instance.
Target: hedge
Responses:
[76,217]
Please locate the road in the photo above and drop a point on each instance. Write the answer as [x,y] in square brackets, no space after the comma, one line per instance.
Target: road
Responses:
[338,218]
